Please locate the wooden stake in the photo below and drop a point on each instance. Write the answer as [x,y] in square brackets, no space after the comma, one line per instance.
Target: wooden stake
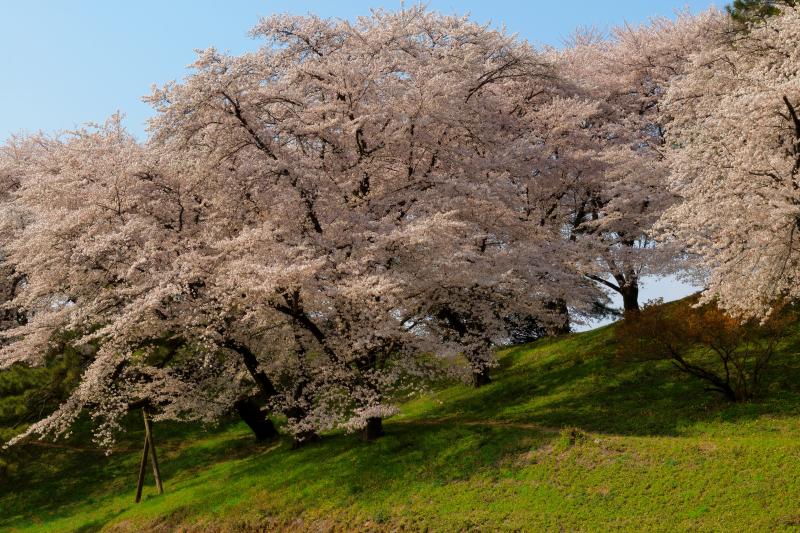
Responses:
[148,447]
[153,458]
[142,467]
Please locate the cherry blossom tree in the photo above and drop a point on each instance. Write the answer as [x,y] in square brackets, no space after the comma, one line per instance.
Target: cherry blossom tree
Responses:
[10,280]
[325,224]
[87,234]
[734,151]
[614,183]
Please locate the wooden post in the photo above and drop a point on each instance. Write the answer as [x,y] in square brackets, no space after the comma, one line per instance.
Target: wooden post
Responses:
[153,458]
[142,467]
[148,447]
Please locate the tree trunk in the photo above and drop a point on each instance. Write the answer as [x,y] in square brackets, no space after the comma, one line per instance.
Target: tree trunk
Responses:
[373,429]
[630,297]
[726,390]
[258,421]
[251,363]
[561,326]
[481,377]
[304,437]
[732,394]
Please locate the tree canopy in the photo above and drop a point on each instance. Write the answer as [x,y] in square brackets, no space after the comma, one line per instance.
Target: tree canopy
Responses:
[327,224]
[747,11]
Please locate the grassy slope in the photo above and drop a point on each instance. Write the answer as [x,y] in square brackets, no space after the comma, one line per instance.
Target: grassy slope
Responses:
[653,451]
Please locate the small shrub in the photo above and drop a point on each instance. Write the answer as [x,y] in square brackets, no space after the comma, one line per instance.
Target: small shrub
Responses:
[730,355]
[571,436]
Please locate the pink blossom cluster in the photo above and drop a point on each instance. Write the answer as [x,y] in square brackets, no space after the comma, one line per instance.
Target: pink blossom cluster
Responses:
[356,209]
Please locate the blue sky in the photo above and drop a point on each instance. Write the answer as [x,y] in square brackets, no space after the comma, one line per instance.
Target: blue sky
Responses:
[66,63]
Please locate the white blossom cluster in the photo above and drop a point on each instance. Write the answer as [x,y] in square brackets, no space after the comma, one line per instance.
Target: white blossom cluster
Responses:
[734,154]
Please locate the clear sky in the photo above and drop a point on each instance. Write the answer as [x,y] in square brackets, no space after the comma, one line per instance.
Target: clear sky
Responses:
[68,62]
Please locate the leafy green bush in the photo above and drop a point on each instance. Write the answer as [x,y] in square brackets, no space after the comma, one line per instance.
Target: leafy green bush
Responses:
[747,11]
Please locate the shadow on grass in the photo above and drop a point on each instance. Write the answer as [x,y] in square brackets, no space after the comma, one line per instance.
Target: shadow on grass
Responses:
[556,383]
[342,470]
[586,387]
[55,482]
[339,470]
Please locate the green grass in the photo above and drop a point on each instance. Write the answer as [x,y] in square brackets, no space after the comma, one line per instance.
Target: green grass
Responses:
[563,438]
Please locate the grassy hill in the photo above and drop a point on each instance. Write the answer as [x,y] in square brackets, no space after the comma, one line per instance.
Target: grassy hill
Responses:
[564,438]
